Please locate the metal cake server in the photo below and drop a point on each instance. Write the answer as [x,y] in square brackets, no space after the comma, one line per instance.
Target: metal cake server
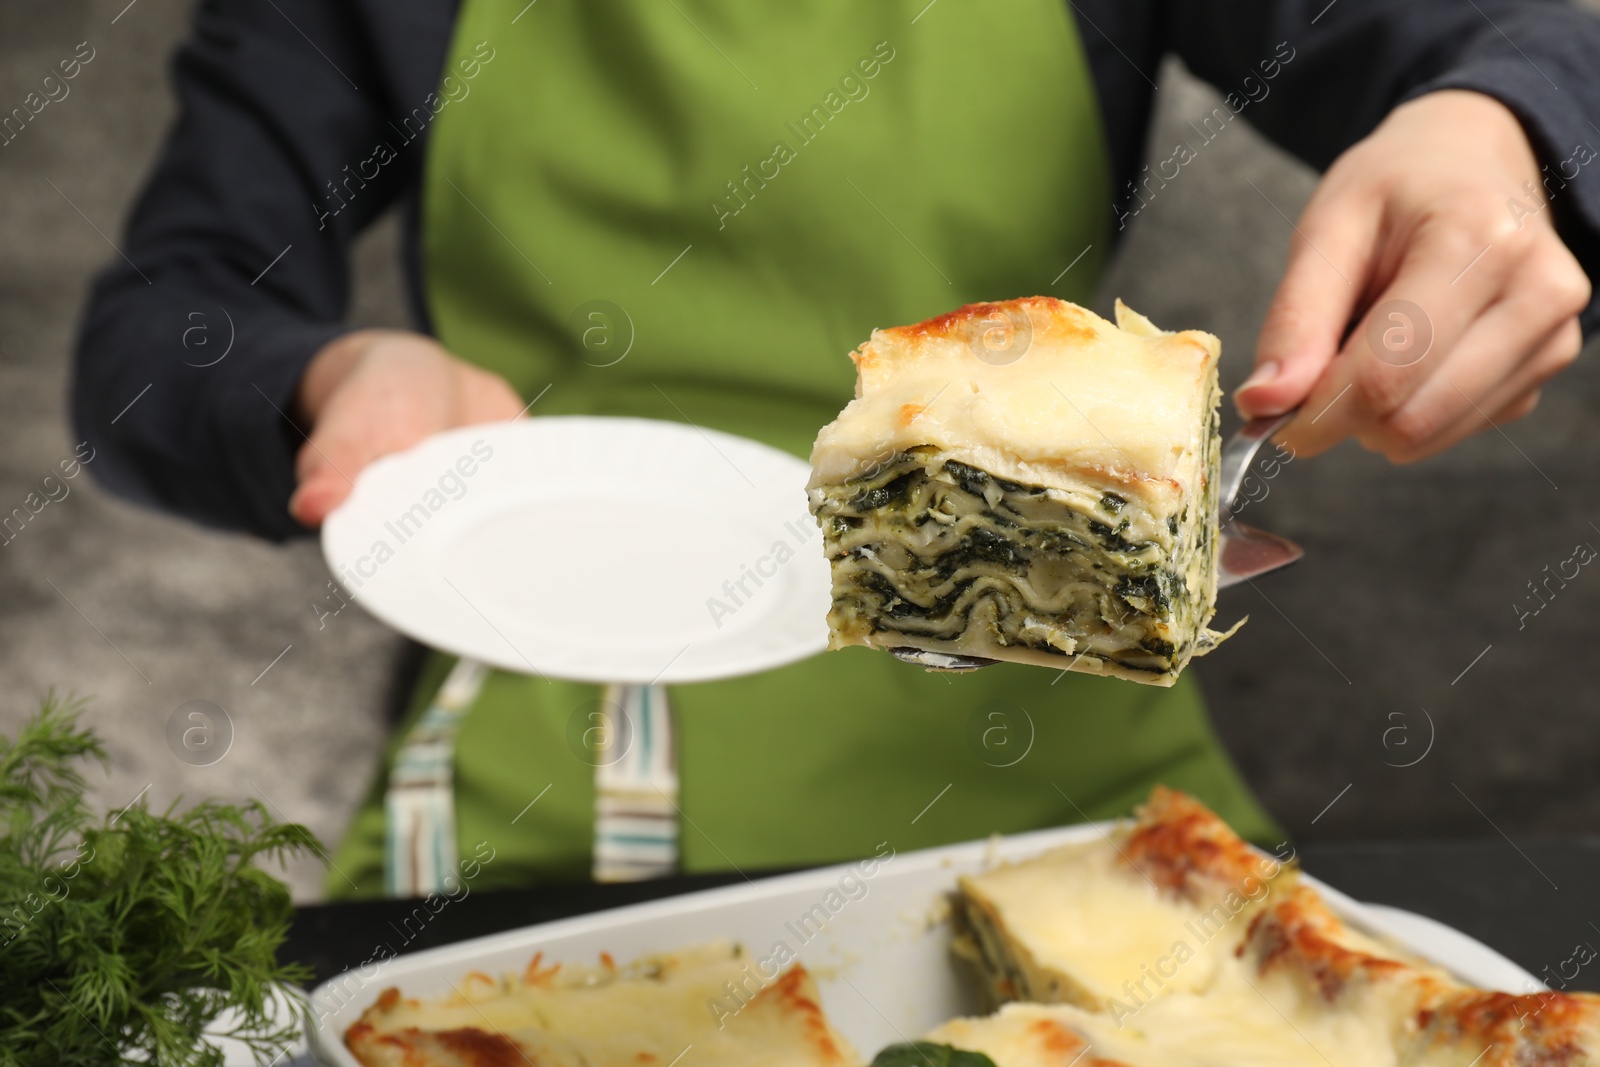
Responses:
[1245,552]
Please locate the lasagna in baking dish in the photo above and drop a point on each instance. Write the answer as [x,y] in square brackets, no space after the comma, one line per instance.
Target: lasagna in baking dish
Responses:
[1172,943]
[1166,942]
[646,1013]
[1026,481]
[1078,923]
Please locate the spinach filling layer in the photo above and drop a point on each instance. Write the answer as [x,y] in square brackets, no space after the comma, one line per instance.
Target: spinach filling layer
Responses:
[935,550]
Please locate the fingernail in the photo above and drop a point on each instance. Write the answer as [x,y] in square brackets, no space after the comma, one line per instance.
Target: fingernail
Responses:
[1263,374]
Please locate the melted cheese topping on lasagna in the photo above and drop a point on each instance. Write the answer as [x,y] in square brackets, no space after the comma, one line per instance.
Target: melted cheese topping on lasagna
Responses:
[1036,390]
[1156,908]
[1233,1025]
[646,1014]
[1085,915]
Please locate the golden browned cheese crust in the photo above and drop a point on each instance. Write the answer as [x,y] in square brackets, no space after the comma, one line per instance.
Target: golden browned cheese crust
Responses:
[1300,938]
[1435,1019]
[469,1047]
[640,1015]
[1546,1029]
[1183,846]
[1036,390]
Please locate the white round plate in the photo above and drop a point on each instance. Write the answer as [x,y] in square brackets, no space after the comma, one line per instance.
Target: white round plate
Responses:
[592,549]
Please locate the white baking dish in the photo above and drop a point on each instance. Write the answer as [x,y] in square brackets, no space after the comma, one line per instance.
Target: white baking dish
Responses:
[882,961]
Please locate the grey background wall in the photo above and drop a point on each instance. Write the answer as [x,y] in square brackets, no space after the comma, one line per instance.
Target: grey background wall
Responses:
[1395,643]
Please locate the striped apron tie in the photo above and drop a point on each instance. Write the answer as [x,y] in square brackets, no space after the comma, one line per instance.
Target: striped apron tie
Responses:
[636,788]
[420,810]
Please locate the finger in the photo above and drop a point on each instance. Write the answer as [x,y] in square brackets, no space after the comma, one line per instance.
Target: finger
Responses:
[370,419]
[1558,352]
[1520,342]
[385,409]
[318,495]
[1330,254]
[326,467]
[1413,441]
[1501,357]
[353,431]
[1402,339]
[1519,408]
[487,397]
[352,437]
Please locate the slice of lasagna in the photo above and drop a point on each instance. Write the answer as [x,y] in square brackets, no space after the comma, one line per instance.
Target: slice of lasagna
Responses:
[1238,1026]
[1311,964]
[1172,943]
[1191,1031]
[1155,907]
[608,1016]
[1026,481]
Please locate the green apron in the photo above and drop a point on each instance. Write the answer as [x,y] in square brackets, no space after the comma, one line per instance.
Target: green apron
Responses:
[751,189]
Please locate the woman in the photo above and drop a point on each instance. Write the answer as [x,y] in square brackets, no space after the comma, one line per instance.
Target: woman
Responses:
[747,192]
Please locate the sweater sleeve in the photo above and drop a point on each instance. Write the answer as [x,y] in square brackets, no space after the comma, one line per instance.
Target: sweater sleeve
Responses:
[233,268]
[1349,62]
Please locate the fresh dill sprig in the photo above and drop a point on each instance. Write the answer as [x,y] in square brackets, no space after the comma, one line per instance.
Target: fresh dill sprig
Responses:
[124,937]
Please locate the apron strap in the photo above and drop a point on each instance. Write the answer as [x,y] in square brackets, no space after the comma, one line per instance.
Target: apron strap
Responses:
[636,788]
[636,791]
[420,843]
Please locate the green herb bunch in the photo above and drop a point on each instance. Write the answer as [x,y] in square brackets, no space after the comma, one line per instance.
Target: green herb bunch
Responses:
[124,937]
